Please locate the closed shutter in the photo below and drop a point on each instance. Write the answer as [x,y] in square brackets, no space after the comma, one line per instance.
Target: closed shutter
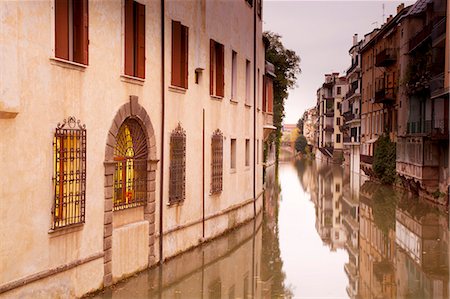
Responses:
[270,96]
[185,55]
[62,29]
[264,103]
[220,70]
[129,38]
[80,31]
[211,66]
[140,41]
[176,55]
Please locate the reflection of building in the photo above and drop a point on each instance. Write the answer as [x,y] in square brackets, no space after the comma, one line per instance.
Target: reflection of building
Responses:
[421,258]
[168,152]
[309,125]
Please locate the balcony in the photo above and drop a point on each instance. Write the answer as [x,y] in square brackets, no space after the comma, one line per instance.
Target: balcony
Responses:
[353,68]
[437,85]
[366,159]
[383,94]
[385,58]
[438,31]
[435,129]
[329,128]
[420,37]
[329,112]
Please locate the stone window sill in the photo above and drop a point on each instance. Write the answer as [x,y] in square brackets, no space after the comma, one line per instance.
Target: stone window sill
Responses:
[234,101]
[65,230]
[216,98]
[247,105]
[233,170]
[177,89]
[132,80]
[175,203]
[68,64]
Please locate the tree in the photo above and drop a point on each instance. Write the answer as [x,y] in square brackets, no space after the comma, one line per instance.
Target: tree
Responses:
[384,160]
[301,144]
[300,124]
[287,67]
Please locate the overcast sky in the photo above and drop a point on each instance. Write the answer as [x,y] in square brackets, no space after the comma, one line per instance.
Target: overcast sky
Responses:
[321,32]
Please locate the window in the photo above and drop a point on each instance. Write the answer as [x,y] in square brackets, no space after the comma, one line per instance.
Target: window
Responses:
[177,173]
[268,95]
[338,121]
[247,82]
[338,138]
[258,103]
[180,51]
[233,154]
[337,187]
[216,78]
[130,173]
[250,2]
[69,176]
[216,162]
[71,30]
[257,151]
[234,75]
[338,90]
[247,152]
[134,39]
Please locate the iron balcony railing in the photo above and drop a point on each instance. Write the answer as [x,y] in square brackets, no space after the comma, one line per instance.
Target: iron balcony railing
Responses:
[434,128]
[420,37]
[437,85]
[438,29]
[385,57]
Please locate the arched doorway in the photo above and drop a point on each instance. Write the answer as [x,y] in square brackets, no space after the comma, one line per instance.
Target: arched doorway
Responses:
[130,173]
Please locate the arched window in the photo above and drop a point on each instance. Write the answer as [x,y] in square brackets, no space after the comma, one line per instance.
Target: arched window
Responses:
[130,175]
[177,179]
[216,162]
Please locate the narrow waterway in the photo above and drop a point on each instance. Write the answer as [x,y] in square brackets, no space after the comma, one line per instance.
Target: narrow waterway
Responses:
[323,234]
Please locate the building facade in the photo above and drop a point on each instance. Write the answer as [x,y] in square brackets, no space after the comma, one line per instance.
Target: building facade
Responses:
[131,130]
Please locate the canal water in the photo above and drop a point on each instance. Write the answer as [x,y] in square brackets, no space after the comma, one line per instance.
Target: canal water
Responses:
[323,234]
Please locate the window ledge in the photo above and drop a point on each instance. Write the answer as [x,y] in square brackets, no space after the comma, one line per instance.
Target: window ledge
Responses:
[68,64]
[247,168]
[175,203]
[233,170]
[216,98]
[234,101]
[177,89]
[55,232]
[247,105]
[132,79]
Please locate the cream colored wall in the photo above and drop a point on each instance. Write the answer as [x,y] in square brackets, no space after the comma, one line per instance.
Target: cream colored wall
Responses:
[206,20]
[50,91]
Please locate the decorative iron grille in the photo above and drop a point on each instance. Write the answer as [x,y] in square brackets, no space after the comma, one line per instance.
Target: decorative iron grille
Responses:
[69,148]
[130,175]
[216,162]
[177,173]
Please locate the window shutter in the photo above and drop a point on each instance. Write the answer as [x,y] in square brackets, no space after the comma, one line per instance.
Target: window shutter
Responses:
[185,53]
[62,29]
[220,70]
[129,38]
[270,96]
[176,53]
[80,31]
[211,66]
[140,38]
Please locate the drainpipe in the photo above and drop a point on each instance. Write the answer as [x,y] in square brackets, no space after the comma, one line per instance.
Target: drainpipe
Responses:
[254,107]
[161,180]
[203,174]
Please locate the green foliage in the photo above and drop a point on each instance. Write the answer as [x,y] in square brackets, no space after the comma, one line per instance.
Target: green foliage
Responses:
[384,160]
[301,144]
[300,125]
[287,67]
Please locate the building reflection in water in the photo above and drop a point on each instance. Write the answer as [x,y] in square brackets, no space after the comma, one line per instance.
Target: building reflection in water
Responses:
[244,263]
[397,244]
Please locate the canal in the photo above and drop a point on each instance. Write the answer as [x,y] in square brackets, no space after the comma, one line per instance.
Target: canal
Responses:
[324,234]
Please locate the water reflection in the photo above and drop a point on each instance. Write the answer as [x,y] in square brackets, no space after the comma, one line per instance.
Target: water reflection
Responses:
[325,234]
[397,245]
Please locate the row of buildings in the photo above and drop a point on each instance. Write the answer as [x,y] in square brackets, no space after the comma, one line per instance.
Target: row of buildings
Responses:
[397,85]
[131,131]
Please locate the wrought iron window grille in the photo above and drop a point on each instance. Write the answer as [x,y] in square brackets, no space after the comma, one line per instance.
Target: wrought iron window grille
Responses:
[216,162]
[177,171]
[130,174]
[69,180]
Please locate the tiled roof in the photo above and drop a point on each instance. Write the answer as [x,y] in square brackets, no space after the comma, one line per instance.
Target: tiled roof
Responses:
[419,7]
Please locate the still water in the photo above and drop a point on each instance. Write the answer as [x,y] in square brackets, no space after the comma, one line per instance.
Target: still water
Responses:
[323,234]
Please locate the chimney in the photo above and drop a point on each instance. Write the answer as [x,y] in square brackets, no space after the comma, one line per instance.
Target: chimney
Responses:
[389,19]
[400,7]
[355,38]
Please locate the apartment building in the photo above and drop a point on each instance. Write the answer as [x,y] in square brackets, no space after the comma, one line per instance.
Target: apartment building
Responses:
[351,110]
[309,125]
[131,132]
[423,131]
[328,133]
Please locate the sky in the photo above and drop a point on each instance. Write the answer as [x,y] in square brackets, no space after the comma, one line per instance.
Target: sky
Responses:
[321,33]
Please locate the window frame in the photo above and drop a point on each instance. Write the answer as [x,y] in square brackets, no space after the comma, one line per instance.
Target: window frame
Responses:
[134,23]
[177,166]
[217,69]
[216,162]
[180,55]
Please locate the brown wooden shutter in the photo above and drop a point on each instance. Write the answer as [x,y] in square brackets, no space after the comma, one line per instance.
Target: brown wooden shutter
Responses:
[140,41]
[62,29]
[80,31]
[185,55]
[220,70]
[270,96]
[129,38]
[211,65]
[176,53]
